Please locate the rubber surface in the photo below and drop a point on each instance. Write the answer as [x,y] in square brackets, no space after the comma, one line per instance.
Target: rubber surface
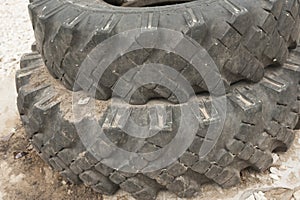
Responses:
[260,119]
[242,37]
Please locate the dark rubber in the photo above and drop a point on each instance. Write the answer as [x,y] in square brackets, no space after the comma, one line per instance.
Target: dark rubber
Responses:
[261,118]
[243,37]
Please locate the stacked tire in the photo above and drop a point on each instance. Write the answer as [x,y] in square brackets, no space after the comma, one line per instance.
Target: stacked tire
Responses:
[252,44]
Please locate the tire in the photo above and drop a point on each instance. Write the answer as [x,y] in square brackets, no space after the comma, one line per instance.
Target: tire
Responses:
[261,118]
[243,37]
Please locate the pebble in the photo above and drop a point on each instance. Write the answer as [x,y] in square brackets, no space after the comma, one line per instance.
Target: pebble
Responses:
[20,155]
[275,158]
[275,177]
[259,195]
[274,170]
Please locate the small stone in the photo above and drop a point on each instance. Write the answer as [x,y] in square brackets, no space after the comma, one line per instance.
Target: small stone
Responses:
[259,195]
[275,158]
[274,170]
[20,155]
[64,182]
[275,177]
[69,192]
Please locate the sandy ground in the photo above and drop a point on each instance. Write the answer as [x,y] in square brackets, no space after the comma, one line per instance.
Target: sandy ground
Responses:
[29,178]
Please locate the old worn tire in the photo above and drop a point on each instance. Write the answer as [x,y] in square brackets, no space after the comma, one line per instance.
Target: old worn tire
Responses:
[260,119]
[242,37]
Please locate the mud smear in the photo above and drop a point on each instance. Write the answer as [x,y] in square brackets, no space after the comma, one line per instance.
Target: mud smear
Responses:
[29,177]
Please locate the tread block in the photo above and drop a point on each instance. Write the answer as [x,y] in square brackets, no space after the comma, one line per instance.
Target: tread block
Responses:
[246,152]
[213,171]
[235,146]
[164,178]
[201,166]
[31,59]
[197,25]
[147,194]
[90,177]
[52,11]
[23,76]
[154,119]
[226,175]
[224,158]
[103,169]
[256,41]
[105,187]
[264,162]
[132,185]
[234,180]
[27,93]
[69,175]
[150,21]
[98,182]
[293,61]
[271,51]
[48,102]
[238,15]
[274,83]
[189,159]
[38,140]
[207,113]
[286,24]
[57,164]
[245,100]
[237,65]
[117,177]
[176,169]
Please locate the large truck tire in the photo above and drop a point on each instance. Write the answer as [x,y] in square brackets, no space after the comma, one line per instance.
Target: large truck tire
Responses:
[261,118]
[243,37]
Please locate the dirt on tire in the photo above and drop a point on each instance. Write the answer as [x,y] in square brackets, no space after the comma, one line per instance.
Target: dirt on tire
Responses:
[260,119]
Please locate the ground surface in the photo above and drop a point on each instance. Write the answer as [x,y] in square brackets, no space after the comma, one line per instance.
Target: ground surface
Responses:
[25,176]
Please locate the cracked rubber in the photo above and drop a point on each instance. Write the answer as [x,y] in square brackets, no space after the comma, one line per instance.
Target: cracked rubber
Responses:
[261,118]
[243,37]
